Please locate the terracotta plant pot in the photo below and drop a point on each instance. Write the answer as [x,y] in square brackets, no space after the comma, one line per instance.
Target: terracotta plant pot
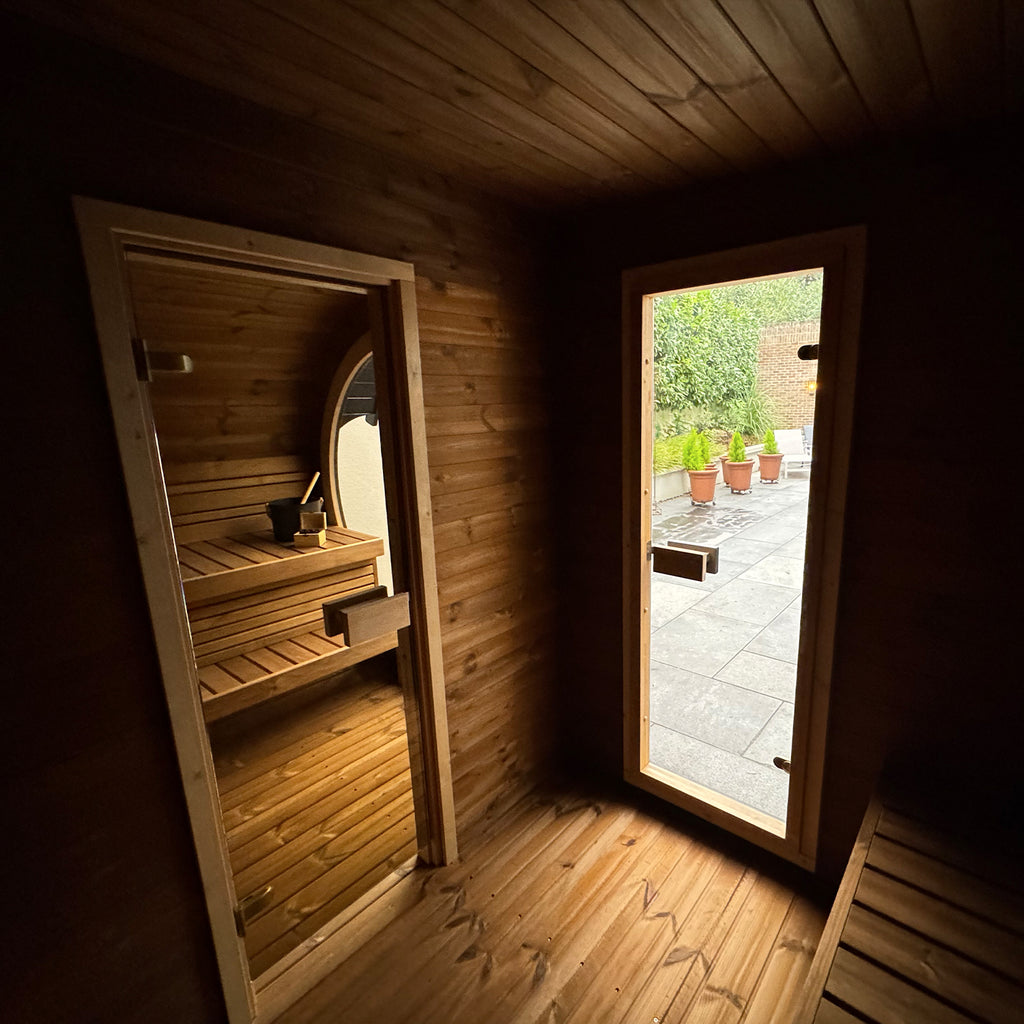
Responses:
[769,467]
[724,459]
[702,485]
[739,476]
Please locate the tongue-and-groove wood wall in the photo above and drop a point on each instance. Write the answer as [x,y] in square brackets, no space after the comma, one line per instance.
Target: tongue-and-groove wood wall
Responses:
[93,756]
[107,914]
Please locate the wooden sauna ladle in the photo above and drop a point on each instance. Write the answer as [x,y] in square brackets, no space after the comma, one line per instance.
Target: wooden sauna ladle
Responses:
[309,489]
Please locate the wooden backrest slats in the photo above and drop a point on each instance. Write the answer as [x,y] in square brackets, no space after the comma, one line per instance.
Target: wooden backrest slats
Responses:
[229,498]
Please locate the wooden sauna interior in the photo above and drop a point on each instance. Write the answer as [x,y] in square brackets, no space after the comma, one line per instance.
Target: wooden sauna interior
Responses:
[307,734]
[519,156]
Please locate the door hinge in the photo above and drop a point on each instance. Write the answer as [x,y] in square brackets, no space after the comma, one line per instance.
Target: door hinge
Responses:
[650,551]
[148,363]
[250,906]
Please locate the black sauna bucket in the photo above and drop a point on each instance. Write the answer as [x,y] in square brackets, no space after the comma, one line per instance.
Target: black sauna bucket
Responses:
[284,514]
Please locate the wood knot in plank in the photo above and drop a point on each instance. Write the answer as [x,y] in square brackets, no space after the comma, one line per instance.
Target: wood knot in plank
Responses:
[726,994]
[540,969]
[678,955]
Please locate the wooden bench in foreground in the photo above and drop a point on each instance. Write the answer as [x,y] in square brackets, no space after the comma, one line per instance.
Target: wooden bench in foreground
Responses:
[927,928]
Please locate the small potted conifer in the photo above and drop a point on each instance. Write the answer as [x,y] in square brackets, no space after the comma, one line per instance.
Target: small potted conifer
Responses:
[740,467]
[696,450]
[769,459]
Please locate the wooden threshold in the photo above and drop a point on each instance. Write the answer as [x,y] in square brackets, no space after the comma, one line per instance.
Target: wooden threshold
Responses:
[314,958]
[717,802]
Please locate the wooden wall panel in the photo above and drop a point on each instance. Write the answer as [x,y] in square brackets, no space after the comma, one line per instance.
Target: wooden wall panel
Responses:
[263,353]
[928,574]
[99,811]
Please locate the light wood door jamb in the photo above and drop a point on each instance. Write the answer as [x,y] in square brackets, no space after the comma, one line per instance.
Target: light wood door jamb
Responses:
[841,254]
[106,230]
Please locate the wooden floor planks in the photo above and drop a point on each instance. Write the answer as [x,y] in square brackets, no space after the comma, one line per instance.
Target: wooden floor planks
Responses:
[317,802]
[575,909]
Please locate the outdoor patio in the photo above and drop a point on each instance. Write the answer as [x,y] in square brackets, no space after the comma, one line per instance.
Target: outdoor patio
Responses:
[723,652]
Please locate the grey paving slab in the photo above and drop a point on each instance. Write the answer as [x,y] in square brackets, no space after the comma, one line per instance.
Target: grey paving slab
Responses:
[795,548]
[764,675]
[740,627]
[747,552]
[775,497]
[685,529]
[727,571]
[753,784]
[748,601]
[794,515]
[668,600]
[781,637]
[777,570]
[717,712]
[776,533]
[775,739]
[700,642]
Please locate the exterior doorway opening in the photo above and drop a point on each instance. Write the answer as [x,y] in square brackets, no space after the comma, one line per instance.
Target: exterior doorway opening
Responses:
[730,592]
[723,662]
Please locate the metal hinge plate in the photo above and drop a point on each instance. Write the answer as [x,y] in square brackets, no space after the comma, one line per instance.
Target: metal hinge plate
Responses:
[250,906]
[149,363]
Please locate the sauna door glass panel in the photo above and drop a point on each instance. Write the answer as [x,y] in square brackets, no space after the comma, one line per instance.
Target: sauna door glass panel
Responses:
[308,735]
[723,650]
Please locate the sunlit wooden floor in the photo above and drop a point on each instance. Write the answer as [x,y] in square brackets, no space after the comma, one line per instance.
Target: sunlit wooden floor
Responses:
[591,911]
[317,802]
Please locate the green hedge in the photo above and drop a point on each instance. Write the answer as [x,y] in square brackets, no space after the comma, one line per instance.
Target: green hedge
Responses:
[668,453]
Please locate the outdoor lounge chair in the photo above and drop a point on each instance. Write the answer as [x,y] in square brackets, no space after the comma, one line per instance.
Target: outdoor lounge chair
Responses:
[795,448]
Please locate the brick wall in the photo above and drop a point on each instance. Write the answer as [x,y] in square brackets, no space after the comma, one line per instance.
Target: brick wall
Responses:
[782,377]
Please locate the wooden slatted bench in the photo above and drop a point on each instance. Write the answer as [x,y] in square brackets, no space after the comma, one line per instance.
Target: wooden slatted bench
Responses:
[228,498]
[927,927]
[255,611]
[254,604]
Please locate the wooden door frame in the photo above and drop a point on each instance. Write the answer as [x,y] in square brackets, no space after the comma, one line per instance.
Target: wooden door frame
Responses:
[841,253]
[105,230]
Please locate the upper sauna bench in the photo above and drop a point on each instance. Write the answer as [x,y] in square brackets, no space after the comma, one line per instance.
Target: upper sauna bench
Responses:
[254,604]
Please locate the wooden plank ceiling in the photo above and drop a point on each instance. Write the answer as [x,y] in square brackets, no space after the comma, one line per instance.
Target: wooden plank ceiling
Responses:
[557,102]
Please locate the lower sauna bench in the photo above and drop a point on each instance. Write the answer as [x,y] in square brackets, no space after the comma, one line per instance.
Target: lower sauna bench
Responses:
[255,612]
[927,926]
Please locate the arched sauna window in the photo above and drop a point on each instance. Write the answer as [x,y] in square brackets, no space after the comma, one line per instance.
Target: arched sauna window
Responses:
[355,497]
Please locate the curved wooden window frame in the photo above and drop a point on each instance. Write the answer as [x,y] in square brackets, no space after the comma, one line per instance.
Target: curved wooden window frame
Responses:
[350,364]
[107,230]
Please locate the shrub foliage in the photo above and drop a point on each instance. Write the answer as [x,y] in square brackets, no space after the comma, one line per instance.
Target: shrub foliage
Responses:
[737,449]
[705,348]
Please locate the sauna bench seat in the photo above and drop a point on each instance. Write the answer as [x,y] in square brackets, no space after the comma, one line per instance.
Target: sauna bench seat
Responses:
[927,926]
[234,565]
[255,613]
